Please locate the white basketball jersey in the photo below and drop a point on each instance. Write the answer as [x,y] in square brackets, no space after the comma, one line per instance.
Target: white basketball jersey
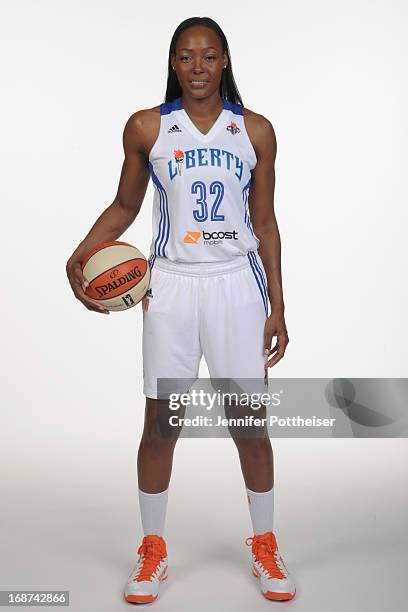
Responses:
[201,182]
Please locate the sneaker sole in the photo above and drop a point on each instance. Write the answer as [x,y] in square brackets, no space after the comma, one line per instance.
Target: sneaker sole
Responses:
[275,596]
[143,598]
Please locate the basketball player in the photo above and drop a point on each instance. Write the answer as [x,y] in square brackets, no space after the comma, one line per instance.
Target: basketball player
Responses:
[215,271]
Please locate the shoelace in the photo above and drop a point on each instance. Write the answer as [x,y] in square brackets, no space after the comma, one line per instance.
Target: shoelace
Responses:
[266,554]
[152,555]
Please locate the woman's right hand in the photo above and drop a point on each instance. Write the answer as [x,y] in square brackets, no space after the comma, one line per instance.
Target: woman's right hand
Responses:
[79,284]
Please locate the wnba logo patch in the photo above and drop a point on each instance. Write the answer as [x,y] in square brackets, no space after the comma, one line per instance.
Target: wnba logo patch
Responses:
[191,237]
[233,128]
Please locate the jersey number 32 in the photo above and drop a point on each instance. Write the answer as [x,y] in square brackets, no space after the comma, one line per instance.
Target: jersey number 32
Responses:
[199,189]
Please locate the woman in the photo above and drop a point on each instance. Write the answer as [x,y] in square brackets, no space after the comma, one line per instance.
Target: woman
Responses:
[215,263]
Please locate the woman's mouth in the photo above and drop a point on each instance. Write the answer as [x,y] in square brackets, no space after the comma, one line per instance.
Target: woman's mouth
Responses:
[198,83]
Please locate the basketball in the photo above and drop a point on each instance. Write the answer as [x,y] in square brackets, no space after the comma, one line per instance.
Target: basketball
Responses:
[118,275]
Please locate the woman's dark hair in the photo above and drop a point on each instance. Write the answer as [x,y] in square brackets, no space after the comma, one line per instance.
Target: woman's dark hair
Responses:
[228,87]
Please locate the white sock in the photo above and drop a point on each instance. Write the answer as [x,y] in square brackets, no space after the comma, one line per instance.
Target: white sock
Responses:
[261,510]
[153,508]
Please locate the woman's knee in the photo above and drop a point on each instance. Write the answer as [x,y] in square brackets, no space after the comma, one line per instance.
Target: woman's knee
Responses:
[158,435]
[155,443]
[253,447]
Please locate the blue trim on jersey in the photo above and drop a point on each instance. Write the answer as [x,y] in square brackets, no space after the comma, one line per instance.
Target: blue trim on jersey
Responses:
[247,219]
[264,282]
[151,261]
[237,109]
[164,223]
[167,107]
[261,273]
[259,277]
[247,186]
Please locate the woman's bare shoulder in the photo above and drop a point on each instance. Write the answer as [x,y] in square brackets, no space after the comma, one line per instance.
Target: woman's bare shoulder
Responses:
[145,119]
[256,120]
[142,127]
[260,129]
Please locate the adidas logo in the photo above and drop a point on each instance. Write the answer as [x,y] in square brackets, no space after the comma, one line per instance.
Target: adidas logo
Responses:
[174,128]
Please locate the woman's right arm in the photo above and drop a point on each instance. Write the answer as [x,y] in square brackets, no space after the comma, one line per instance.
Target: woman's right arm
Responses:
[121,213]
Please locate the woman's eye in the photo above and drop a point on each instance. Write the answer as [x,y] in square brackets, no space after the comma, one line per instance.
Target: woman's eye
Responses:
[185,58]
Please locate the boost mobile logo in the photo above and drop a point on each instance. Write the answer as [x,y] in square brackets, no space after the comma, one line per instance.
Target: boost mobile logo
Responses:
[191,237]
[209,238]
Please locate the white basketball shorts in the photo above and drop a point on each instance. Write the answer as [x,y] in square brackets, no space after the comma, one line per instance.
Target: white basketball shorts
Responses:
[215,309]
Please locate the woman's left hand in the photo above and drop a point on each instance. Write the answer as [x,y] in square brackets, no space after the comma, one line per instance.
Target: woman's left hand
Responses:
[275,326]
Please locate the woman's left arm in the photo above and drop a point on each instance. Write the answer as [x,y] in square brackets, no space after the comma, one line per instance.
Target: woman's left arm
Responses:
[261,209]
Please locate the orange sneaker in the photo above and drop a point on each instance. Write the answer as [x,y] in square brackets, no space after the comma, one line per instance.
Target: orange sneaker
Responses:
[144,581]
[267,565]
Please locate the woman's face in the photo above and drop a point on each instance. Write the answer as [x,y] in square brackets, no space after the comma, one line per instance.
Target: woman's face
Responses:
[199,61]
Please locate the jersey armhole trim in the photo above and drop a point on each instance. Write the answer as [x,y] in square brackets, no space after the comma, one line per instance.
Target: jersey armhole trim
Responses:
[251,146]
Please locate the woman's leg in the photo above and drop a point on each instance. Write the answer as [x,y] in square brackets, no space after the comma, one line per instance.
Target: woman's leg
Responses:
[154,464]
[253,446]
[155,455]
[256,458]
